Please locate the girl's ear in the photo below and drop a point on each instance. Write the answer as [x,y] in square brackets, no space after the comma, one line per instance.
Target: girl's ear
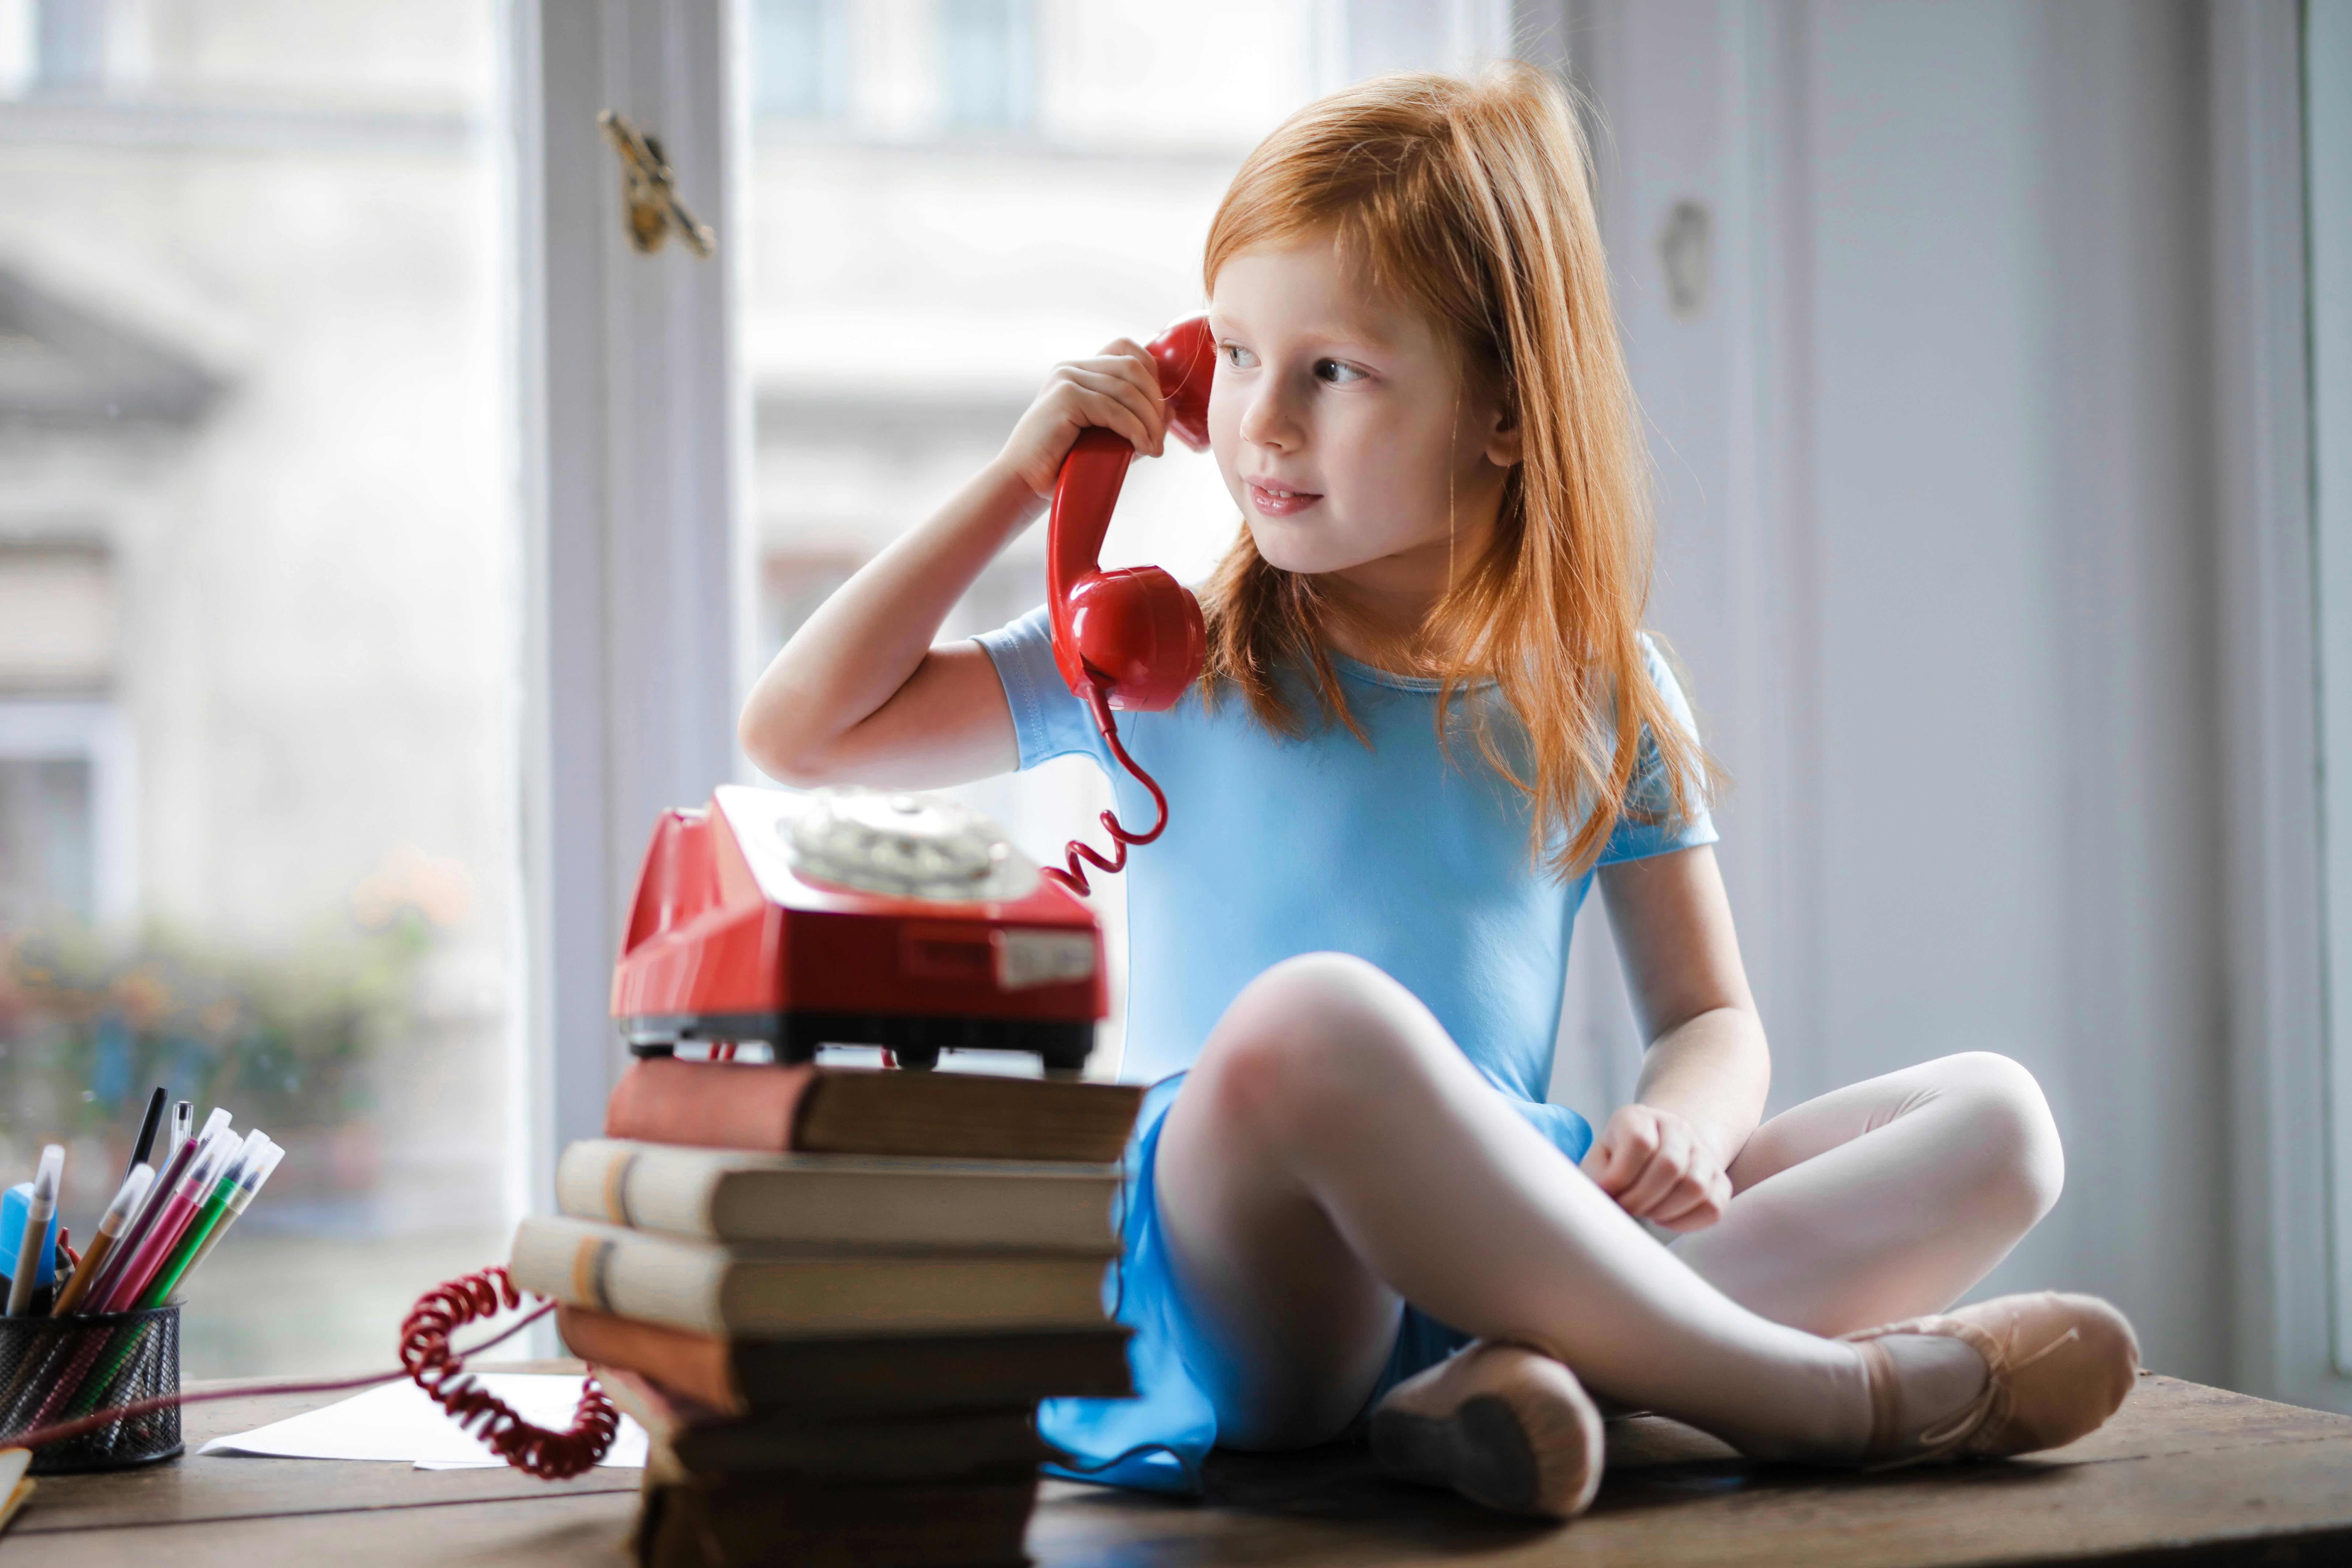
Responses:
[1505,446]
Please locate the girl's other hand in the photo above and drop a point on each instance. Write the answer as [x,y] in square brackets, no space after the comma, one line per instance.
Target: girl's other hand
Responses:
[1119,389]
[1660,1167]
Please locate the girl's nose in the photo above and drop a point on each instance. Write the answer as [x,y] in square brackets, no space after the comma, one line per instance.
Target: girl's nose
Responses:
[1266,422]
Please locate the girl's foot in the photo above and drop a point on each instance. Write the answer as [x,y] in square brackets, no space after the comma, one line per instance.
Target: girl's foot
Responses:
[1502,1425]
[2057,1367]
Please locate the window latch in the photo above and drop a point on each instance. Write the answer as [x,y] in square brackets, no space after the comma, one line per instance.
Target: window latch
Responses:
[649,193]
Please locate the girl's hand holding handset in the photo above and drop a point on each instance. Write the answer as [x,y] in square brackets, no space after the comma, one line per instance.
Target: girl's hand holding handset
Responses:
[1660,1166]
[1118,389]
[861,693]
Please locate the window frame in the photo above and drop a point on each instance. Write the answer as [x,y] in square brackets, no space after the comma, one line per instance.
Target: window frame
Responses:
[2327,87]
[2275,888]
[633,548]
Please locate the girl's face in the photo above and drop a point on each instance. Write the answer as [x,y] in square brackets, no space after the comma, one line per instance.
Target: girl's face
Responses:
[1339,420]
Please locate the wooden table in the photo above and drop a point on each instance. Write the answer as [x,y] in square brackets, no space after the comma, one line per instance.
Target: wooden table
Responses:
[2184,1473]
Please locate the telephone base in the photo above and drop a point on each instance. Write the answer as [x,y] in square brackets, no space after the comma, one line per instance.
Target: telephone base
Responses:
[915,1040]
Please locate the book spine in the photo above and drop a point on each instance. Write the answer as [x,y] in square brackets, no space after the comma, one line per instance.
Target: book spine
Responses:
[699,1367]
[709,1105]
[622,1272]
[644,1187]
[591,1180]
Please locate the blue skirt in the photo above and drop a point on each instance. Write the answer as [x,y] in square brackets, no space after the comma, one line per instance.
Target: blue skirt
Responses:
[1157,1440]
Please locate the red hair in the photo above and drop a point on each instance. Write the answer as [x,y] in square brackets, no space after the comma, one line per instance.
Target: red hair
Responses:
[1471,200]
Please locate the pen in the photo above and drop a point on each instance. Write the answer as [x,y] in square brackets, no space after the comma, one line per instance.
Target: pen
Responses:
[184,1122]
[101,1289]
[37,1215]
[146,1144]
[216,1224]
[118,1214]
[172,1217]
[212,1202]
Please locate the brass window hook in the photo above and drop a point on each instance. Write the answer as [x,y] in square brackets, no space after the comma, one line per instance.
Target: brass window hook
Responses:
[650,193]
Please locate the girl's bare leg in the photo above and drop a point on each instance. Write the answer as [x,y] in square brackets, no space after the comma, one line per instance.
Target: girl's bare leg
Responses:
[1332,1151]
[1886,1199]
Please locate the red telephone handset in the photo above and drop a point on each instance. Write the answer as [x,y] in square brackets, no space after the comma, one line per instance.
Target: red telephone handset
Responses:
[1132,638]
[1136,631]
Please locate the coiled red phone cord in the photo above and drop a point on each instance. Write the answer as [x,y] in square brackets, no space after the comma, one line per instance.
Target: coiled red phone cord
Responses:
[426,1356]
[440,1372]
[1097,701]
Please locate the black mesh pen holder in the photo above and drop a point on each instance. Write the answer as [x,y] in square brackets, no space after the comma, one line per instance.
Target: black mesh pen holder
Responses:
[56,1370]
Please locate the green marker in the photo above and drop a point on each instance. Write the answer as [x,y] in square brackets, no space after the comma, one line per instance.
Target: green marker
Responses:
[239,1201]
[242,1175]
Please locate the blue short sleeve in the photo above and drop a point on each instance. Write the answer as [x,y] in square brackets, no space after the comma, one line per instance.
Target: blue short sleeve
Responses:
[1649,825]
[1047,717]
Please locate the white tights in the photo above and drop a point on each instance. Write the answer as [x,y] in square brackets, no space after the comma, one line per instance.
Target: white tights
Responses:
[1332,1155]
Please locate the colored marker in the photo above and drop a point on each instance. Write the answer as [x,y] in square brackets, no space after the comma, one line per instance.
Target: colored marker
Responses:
[211,1204]
[172,1217]
[147,1130]
[184,1122]
[215,1221]
[95,1391]
[37,1215]
[101,1289]
[118,1214]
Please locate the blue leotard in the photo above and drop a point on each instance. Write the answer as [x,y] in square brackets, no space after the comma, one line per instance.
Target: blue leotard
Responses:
[1395,851]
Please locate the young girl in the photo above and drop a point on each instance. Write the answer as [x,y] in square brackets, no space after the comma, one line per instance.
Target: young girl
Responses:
[1429,723]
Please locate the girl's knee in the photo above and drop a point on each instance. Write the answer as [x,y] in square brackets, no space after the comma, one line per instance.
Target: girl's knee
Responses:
[1309,1028]
[2009,1124]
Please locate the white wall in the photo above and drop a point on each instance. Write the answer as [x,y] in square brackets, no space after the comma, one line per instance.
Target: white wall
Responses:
[1935,540]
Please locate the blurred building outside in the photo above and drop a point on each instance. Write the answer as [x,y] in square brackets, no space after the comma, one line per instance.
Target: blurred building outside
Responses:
[257,595]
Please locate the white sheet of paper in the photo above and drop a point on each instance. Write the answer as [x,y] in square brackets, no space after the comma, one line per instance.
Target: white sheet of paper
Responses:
[398,1424]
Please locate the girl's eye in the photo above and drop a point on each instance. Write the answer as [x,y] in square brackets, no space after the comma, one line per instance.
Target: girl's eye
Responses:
[1237,356]
[1337,373]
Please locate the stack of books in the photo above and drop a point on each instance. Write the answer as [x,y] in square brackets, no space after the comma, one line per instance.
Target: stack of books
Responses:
[834,1299]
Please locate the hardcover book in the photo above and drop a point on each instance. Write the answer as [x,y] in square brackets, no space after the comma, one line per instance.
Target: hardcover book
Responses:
[795,1292]
[853,1200]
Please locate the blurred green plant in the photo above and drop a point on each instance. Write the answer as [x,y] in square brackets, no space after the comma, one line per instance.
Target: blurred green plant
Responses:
[90,1024]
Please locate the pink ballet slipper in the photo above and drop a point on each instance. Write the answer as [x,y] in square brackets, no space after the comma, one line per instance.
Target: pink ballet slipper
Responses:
[2057,1366]
[1506,1426]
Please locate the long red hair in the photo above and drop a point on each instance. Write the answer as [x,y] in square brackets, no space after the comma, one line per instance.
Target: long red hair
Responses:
[1471,199]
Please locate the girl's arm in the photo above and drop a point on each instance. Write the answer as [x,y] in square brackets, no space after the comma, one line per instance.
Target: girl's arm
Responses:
[1707,1071]
[860,694]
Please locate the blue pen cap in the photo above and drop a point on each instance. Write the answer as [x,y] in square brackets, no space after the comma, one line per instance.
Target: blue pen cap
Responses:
[14,1206]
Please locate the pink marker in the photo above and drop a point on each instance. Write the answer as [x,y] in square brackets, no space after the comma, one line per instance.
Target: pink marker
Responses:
[172,1218]
[134,1231]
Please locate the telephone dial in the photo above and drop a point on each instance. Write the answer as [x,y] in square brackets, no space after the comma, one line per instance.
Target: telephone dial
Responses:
[879,918]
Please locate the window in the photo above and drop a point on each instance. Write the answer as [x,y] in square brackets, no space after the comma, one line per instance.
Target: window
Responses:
[986,69]
[68,810]
[795,71]
[256,818]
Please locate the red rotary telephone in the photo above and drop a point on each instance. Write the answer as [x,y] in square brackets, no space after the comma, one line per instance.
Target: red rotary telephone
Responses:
[1131,638]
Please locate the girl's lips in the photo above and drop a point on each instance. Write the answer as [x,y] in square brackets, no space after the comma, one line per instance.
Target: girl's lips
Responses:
[1274,500]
